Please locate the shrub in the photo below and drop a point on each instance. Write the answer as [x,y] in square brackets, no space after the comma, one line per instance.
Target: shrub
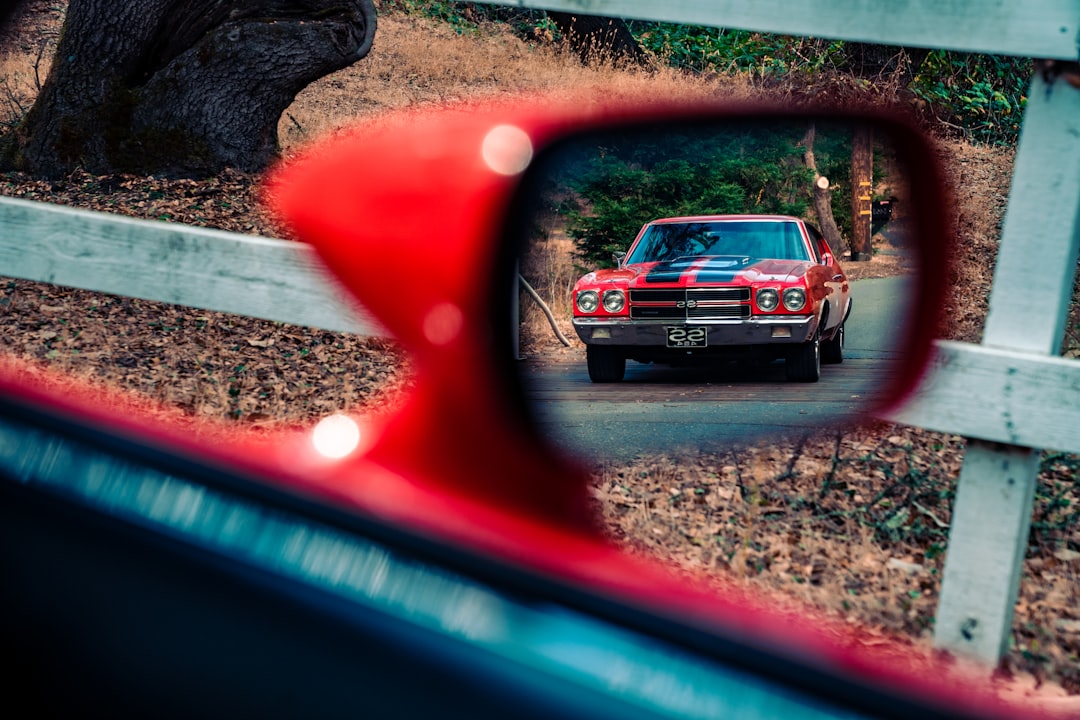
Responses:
[618,184]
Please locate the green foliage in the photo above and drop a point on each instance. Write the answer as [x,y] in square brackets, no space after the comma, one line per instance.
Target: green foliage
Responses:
[620,184]
[980,95]
[706,49]
[983,95]
[459,16]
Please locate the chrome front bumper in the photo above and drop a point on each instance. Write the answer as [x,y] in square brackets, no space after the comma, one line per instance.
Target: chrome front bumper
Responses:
[653,333]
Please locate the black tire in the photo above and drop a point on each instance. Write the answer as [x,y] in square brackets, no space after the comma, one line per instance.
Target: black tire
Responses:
[606,364]
[803,364]
[832,351]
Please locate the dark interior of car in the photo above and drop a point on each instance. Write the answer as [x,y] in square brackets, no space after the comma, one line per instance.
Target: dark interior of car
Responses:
[139,581]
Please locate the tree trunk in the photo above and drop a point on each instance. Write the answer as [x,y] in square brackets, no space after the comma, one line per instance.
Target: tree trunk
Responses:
[599,39]
[183,87]
[862,170]
[822,196]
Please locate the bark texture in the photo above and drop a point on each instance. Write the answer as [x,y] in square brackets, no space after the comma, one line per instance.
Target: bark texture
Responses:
[822,196]
[862,172]
[599,39]
[181,87]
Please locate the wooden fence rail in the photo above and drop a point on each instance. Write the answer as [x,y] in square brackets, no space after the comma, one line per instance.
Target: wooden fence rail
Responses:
[174,263]
[1032,28]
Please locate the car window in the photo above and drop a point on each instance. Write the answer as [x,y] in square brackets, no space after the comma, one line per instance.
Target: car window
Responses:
[666,242]
[754,239]
[817,242]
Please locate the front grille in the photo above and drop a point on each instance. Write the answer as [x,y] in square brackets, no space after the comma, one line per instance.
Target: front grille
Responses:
[657,313]
[690,303]
[658,295]
[724,311]
[735,294]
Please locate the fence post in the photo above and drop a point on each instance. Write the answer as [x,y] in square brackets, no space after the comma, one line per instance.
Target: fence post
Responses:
[1033,282]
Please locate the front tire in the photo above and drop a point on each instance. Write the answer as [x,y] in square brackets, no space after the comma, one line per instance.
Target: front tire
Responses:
[804,363]
[606,364]
[832,351]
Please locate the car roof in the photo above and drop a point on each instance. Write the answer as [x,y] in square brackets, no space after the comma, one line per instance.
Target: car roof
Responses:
[726,218]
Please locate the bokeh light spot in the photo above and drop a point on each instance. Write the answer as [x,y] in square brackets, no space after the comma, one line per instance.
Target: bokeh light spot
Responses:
[443,323]
[507,149]
[336,436]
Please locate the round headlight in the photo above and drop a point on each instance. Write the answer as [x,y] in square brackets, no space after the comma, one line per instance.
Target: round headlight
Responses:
[588,301]
[794,299]
[614,301]
[767,299]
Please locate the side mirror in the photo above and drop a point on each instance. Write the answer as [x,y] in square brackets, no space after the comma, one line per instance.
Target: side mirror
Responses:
[722,322]
[425,216]
[452,209]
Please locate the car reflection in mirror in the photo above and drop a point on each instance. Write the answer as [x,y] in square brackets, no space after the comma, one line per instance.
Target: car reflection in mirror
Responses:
[713,285]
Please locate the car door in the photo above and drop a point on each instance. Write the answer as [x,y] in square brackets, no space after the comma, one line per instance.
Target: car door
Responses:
[838,292]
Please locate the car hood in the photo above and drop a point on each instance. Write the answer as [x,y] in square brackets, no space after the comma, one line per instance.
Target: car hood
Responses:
[716,270]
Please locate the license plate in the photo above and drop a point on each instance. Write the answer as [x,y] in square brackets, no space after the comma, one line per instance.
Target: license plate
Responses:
[687,337]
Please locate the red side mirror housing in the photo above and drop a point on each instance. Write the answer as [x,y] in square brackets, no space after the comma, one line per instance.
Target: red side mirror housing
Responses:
[410,212]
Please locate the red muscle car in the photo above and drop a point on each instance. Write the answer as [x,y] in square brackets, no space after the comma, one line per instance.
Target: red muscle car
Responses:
[720,286]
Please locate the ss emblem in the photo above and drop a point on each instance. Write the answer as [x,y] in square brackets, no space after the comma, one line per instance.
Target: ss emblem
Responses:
[686,304]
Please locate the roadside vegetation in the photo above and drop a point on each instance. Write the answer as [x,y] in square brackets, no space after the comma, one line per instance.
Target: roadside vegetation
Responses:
[727,168]
[852,521]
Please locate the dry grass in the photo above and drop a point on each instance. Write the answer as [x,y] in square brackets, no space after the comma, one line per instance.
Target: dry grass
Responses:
[23,68]
[853,522]
[549,267]
[415,60]
[979,179]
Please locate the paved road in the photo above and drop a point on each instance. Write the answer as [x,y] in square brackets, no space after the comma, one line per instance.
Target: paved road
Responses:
[658,408]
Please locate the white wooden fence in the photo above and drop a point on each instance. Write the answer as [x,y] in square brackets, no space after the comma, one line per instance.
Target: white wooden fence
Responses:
[1011,395]
[169,262]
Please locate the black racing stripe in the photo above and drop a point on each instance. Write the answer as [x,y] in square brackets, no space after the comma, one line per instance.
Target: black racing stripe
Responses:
[716,276]
[670,271]
[721,270]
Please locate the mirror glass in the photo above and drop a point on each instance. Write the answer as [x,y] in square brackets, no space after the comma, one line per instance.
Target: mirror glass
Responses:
[707,284]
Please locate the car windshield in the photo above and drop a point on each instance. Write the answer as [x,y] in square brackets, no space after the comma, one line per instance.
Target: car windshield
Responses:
[775,239]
